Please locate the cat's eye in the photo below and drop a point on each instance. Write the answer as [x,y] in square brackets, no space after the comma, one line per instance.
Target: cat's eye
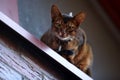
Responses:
[72,26]
[58,25]
[71,29]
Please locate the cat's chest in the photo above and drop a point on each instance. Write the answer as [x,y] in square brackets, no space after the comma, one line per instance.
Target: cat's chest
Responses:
[55,44]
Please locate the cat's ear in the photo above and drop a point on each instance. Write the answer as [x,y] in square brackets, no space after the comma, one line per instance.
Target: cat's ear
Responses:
[80,17]
[55,12]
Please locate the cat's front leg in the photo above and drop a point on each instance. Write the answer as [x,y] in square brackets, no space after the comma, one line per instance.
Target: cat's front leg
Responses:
[71,58]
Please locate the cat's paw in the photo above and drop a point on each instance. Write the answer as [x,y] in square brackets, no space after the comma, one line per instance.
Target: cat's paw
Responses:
[66,52]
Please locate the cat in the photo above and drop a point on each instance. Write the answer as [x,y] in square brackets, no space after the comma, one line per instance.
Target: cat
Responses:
[68,39]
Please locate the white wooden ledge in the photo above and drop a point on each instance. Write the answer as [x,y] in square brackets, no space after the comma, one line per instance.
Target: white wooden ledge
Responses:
[18,29]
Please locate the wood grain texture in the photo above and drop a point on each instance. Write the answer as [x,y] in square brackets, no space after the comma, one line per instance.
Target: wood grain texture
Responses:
[23,66]
[7,73]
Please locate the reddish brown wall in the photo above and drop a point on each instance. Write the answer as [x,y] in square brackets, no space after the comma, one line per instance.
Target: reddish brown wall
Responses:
[10,8]
[112,9]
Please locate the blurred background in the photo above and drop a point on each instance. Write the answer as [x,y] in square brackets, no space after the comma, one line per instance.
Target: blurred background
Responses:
[102,26]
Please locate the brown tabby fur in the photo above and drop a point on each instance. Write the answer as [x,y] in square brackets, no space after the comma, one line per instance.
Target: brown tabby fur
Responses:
[68,39]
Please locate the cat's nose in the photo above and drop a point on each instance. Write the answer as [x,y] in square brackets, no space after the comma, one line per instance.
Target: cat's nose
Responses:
[60,33]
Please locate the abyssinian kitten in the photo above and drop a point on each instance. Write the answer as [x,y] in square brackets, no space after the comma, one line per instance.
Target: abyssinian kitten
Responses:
[67,38]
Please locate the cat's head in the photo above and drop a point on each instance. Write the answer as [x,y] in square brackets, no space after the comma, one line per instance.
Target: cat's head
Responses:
[65,27]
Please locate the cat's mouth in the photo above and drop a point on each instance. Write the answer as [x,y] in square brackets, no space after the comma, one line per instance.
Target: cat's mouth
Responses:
[68,38]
